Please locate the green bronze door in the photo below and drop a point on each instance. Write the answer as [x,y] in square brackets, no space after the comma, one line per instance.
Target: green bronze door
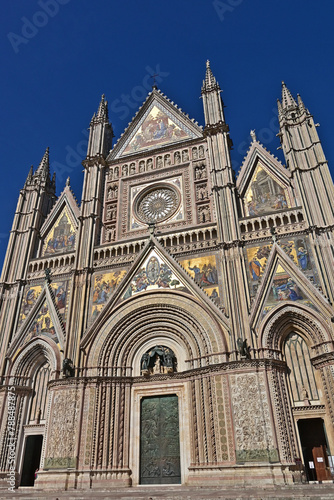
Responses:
[159,441]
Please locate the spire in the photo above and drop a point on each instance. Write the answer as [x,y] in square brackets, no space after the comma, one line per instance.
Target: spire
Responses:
[102,112]
[29,176]
[44,166]
[287,99]
[210,82]
[301,105]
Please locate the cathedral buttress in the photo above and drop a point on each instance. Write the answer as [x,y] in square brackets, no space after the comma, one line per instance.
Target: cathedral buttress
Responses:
[306,160]
[224,192]
[90,225]
[34,204]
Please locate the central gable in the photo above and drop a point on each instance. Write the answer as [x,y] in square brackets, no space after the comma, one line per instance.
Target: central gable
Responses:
[158,123]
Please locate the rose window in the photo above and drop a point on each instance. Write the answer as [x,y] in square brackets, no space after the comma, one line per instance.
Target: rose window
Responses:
[157,204]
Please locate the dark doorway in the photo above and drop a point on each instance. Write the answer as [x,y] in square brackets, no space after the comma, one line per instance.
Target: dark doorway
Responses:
[159,441]
[314,447]
[32,457]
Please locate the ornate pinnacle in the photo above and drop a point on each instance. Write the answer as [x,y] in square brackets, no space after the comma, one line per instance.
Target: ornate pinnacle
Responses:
[210,81]
[44,166]
[287,99]
[102,112]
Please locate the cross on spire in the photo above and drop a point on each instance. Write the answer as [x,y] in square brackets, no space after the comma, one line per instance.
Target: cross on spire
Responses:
[154,86]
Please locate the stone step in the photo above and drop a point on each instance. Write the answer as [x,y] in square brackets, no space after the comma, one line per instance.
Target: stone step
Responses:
[305,492]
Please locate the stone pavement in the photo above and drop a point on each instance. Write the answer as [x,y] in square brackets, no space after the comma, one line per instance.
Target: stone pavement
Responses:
[305,492]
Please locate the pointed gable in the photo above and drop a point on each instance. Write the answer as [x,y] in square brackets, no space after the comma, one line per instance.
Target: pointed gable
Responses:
[44,319]
[58,232]
[263,183]
[154,269]
[158,123]
[284,283]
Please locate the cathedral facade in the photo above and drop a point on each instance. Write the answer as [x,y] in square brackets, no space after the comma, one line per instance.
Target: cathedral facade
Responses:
[176,326]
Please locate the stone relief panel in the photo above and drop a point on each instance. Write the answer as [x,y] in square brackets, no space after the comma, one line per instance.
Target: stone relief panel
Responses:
[252,421]
[265,194]
[63,428]
[61,238]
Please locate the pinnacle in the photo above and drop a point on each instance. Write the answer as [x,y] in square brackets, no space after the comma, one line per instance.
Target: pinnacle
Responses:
[210,81]
[301,105]
[102,112]
[44,166]
[287,99]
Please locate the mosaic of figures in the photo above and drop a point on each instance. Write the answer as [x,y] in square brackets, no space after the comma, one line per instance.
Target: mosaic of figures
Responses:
[61,238]
[284,288]
[157,129]
[296,248]
[31,293]
[104,286]
[153,275]
[265,194]
[42,325]
[204,271]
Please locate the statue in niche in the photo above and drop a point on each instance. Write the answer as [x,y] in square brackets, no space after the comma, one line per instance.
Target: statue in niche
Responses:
[198,173]
[145,362]
[110,193]
[141,166]
[149,164]
[116,191]
[159,162]
[125,170]
[159,359]
[157,364]
[204,214]
[201,151]
[185,155]
[177,157]
[111,234]
[132,168]
[116,172]
[194,153]
[167,160]
[305,397]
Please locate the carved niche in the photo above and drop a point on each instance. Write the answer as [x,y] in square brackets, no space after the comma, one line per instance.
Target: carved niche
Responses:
[159,359]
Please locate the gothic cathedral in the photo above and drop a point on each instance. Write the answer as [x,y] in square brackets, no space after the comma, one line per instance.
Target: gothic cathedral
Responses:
[176,326]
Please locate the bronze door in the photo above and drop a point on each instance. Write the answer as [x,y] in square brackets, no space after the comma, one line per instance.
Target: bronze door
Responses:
[159,440]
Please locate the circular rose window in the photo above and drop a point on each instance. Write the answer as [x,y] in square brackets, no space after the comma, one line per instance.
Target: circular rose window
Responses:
[157,204]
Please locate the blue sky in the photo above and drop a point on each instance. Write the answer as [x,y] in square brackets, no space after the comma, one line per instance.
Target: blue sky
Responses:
[59,56]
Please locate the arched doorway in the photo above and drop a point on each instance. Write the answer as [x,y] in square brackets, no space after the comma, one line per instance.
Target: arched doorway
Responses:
[307,408]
